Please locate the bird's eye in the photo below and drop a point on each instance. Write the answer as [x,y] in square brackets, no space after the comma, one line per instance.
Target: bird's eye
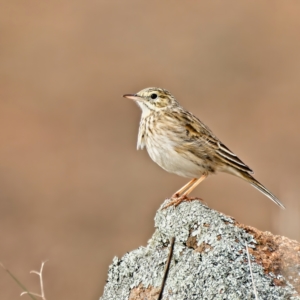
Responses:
[153,96]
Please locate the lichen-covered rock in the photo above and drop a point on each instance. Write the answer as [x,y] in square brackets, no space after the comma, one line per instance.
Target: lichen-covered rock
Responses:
[209,261]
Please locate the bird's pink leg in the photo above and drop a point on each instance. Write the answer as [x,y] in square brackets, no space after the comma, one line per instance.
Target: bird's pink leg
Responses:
[186,186]
[198,181]
[192,184]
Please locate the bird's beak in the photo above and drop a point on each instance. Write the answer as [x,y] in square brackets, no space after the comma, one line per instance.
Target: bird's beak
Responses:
[134,97]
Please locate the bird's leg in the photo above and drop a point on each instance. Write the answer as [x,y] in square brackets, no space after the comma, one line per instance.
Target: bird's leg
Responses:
[188,191]
[186,186]
[184,197]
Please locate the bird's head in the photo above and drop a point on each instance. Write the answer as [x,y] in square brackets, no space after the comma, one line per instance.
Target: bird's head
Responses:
[153,99]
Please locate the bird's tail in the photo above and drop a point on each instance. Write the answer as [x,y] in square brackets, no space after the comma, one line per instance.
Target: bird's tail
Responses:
[261,188]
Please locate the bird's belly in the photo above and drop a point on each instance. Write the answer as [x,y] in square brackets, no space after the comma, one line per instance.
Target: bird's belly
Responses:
[171,161]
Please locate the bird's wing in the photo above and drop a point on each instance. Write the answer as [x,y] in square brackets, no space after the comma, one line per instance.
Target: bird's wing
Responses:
[206,140]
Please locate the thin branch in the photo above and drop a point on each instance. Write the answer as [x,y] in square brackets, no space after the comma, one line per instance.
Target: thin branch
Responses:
[17,281]
[166,269]
[40,274]
[250,267]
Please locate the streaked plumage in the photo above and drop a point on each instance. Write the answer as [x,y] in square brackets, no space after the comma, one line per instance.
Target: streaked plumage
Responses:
[180,143]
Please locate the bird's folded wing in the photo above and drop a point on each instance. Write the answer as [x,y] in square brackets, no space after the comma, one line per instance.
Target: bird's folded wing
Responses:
[208,142]
[230,158]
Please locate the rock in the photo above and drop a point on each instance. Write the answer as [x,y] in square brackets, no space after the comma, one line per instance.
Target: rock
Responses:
[209,261]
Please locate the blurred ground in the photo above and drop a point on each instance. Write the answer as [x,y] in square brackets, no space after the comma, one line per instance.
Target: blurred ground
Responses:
[74,189]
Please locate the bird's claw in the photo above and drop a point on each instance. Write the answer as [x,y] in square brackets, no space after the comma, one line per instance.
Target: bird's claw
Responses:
[175,201]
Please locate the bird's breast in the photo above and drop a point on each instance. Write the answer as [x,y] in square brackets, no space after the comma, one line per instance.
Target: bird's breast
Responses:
[162,145]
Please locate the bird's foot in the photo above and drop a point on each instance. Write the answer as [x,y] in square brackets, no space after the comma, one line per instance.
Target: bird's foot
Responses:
[175,201]
[197,198]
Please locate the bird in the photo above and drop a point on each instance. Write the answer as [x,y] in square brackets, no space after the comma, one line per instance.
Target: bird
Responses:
[180,143]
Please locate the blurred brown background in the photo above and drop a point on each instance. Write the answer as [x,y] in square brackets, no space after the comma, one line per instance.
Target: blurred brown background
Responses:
[73,188]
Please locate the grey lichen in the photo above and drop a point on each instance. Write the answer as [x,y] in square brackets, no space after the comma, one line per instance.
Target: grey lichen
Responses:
[219,271]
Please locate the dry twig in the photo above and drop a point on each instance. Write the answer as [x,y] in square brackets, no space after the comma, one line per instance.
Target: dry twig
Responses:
[250,267]
[166,269]
[40,274]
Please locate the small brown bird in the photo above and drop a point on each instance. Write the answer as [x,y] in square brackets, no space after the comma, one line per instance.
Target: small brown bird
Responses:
[180,143]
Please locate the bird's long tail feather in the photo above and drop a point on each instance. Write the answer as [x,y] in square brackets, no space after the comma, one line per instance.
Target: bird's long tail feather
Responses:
[261,188]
